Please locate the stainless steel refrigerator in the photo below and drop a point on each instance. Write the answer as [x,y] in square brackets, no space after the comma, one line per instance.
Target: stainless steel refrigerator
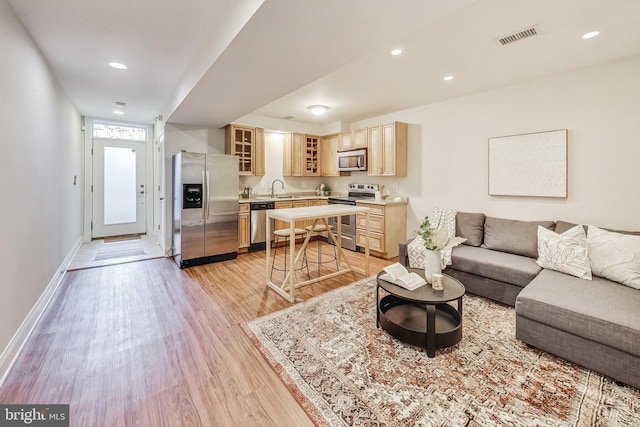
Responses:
[205,208]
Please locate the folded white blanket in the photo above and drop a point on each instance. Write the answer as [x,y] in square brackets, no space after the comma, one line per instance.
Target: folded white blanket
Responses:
[439,219]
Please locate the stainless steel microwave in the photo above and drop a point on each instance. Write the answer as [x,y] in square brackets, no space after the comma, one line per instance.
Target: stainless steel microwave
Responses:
[352,160]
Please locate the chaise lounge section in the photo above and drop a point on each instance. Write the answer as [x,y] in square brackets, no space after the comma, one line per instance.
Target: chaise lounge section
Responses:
[594,323]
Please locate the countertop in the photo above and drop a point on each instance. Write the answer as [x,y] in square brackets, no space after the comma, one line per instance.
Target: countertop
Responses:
[387,200]
[311,212]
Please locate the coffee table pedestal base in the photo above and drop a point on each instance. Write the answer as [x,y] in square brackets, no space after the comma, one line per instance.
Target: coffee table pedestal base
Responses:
[430,326]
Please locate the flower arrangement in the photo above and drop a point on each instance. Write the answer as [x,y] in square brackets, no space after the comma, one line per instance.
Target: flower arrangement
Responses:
[436,240]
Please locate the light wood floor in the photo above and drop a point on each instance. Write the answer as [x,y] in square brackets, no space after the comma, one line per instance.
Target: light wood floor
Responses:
[148,344]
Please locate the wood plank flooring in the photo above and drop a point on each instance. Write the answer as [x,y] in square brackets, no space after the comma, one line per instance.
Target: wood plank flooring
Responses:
[148,344]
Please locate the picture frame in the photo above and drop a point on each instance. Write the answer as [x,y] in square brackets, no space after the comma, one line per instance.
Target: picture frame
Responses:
[529,165]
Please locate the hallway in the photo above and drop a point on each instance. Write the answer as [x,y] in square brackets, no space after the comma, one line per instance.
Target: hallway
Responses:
[112,251]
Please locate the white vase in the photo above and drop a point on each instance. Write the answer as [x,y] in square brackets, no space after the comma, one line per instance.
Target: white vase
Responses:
[432,264]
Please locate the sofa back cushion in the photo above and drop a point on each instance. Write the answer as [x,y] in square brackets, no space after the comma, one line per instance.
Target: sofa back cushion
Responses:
[516,237]
[471,227]
[562,226]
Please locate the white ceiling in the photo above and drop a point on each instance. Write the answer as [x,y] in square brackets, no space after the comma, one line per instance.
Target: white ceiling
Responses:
[210,62]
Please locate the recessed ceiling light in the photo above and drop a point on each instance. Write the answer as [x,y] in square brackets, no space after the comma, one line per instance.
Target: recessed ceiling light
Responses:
[118,112]
[118,65]
[590,35]
[318,110]
[447,78]
[396,52]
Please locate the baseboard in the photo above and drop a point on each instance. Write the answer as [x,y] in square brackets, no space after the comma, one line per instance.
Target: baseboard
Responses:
[19,339]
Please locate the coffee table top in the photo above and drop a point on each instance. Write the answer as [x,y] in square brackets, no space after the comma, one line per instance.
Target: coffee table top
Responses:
[453,289]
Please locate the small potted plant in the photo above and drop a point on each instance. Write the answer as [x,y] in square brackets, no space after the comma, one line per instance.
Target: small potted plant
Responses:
[435,241]
[326,191]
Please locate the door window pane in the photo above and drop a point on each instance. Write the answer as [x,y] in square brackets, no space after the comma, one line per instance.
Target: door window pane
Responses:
[119,185]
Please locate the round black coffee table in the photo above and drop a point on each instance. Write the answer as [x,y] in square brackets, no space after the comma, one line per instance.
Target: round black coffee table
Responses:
[421,317]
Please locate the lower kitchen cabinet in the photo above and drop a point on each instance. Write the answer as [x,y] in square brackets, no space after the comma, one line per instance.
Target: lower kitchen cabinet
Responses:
[244,226]
[387,228]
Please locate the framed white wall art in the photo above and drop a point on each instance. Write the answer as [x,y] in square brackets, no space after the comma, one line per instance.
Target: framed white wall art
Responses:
[533,164]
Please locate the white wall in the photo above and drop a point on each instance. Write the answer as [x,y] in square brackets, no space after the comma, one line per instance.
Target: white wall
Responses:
[42,151]
[600,107]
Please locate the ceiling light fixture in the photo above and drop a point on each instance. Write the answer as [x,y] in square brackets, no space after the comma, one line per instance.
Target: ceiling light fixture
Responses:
[590,35]
[318,110]
[447,78]
[118,112]
[396,52]
[118,65]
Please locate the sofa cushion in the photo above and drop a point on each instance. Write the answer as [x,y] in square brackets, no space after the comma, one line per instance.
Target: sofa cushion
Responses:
[562,226]
[600,310]
[471,227]
[504,267]
[516,237]
[565,252]
[615,256]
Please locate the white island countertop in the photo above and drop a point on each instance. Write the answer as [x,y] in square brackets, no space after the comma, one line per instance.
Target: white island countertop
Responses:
[311,212]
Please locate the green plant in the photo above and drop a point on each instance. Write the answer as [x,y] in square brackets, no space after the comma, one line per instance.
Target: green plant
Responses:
[436,239]
[426,232]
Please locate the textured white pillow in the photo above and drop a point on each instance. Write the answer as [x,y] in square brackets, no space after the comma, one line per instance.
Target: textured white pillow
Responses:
[566,252]
[614,256]
[416,252]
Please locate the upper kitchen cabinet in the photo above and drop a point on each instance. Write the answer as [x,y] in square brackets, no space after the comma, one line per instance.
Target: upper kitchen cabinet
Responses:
[300,155]
[241,141]
[258,162]
[312,155]
[387,146]
[330,155]
[352,140]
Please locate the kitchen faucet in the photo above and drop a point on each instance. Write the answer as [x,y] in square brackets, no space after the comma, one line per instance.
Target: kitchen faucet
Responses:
[273,183]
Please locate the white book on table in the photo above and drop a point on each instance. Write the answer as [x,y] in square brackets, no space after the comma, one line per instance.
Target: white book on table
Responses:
[400,276]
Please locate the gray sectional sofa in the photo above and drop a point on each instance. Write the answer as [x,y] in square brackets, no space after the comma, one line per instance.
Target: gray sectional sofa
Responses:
[593,323]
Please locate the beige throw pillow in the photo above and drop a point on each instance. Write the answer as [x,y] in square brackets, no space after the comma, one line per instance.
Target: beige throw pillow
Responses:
[566,252]
[614,256]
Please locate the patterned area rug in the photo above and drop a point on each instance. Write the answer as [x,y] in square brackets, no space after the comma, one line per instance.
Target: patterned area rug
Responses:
[345,371]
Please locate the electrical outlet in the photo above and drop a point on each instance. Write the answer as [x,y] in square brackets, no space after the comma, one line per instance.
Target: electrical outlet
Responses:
[395,185]
[304,184]
[264,184]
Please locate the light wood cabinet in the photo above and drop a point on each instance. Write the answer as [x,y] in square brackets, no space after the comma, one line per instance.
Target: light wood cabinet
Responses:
[387,150]
[244,226]
[360,138]
[278,225]
[293,154]
[241,141]
[330,156]
[312,155]
[258,161]
[345,141]
[387,228]
[300,155]
[352,139]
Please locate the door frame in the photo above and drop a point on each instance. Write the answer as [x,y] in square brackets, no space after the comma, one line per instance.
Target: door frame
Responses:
[88,175]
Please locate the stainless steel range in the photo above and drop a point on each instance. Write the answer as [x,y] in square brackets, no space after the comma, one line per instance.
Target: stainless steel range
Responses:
[362,192]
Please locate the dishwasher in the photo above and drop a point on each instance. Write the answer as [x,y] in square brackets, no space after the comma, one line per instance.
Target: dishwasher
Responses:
[259,225]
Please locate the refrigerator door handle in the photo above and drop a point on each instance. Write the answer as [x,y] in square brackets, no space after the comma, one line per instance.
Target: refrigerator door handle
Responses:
[207,212]
[205,195]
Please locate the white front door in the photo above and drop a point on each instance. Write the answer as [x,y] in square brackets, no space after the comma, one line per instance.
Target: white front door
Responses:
[119,190]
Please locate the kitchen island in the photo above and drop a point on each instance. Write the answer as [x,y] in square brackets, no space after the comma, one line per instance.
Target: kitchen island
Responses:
[319,215]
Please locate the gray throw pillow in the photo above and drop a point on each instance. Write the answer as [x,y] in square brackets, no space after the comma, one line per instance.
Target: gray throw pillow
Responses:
[516,237]
[471,227]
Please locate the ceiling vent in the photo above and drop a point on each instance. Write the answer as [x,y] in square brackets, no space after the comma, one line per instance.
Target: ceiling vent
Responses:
[529,32]
[289,117]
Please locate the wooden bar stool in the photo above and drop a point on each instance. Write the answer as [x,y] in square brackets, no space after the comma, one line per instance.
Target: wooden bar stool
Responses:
[319,229]
[285,233]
